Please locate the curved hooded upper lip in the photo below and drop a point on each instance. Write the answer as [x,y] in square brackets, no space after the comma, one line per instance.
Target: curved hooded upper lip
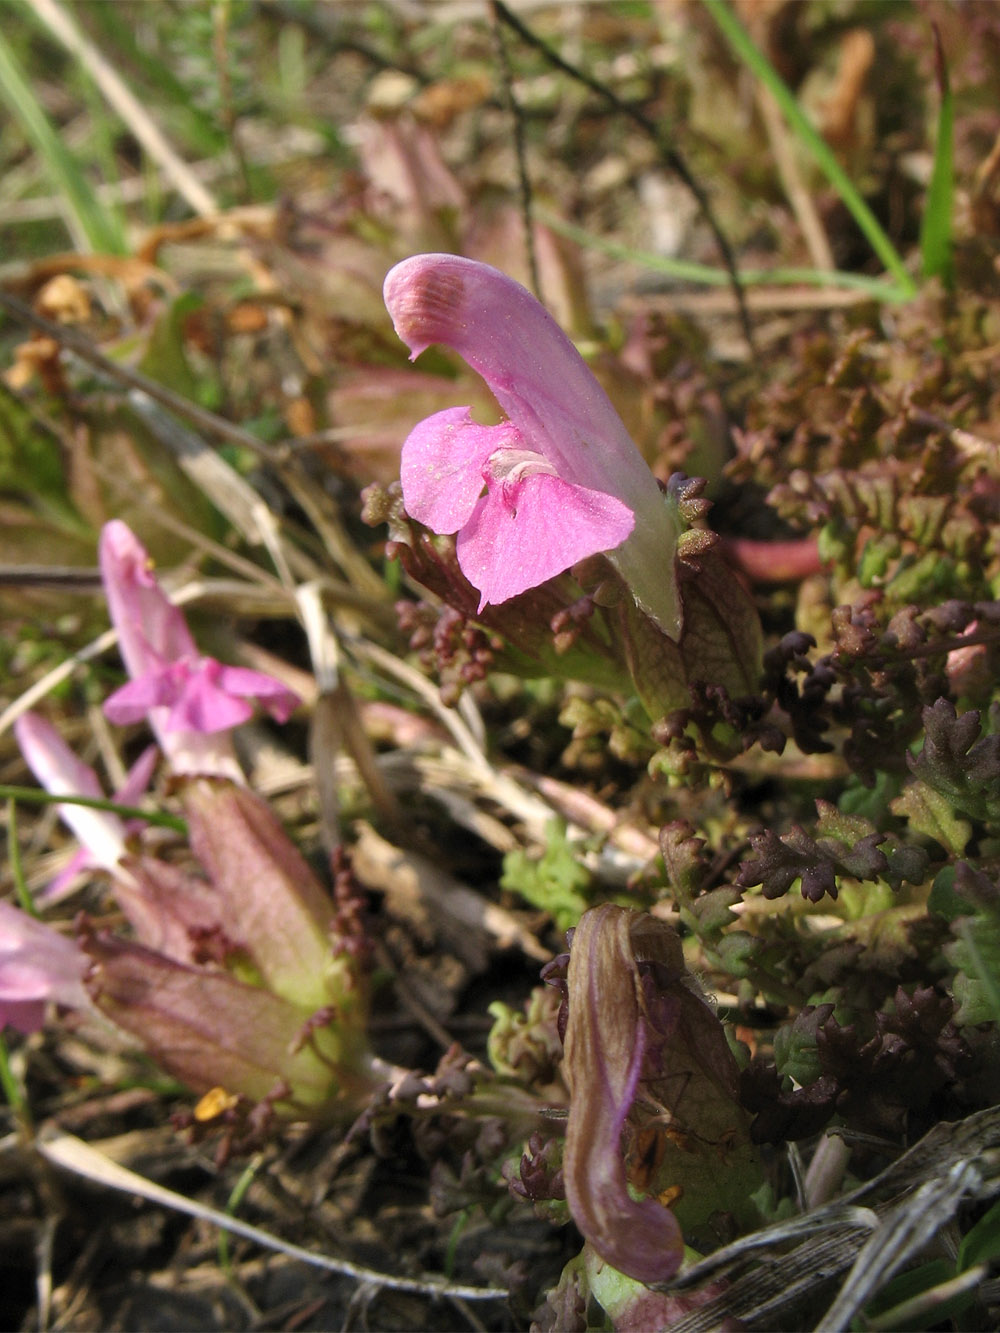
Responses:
[552,400]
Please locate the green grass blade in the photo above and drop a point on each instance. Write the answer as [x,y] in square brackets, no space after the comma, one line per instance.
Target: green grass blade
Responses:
[96,227]
[36,796]
[16,864]
[708,276]
[935,232]
[981,1245]
[759,65]
[174,99]
[12,1090]
[236,1197]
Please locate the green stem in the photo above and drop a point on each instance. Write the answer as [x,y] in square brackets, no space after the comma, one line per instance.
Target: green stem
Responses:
[16,862]
[35,796]
[232,1204]
[12,1090]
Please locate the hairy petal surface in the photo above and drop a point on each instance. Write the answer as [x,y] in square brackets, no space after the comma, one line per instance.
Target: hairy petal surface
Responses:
[210,1029]
[266,889]
[151,630]
[62,773]
[100,832]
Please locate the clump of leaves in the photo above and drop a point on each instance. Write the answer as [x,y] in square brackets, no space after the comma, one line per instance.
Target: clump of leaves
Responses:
[841,845]
[959,763]
[974,952]
[555,882]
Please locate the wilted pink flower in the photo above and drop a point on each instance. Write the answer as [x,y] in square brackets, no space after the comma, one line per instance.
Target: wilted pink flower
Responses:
[166,907]
[653,1106]
[605,1049]
[188,698]
[100,832]
[38,966]
[563,480]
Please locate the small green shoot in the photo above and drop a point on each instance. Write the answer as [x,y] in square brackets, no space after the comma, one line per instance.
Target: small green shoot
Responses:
[935,233]
[555,882]
[925,1297]
[981,1245]
[12,1090]
[236,1197]
[935,1292]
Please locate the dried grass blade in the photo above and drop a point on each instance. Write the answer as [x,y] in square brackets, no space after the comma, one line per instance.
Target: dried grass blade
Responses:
[73,1155]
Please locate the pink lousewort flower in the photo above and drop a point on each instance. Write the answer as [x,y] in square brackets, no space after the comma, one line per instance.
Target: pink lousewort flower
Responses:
[189,699]
[167,908]
[38,967]
[563,479]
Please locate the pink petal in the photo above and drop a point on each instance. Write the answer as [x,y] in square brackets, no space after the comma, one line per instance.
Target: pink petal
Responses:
[204,706]
[523,533]
[61,772]
[138,778]
[37,966]
[442,467]
[189,700]
[61,885]
[51,760]
[538,377]
[134,700]
[22,979]
[278,699]
[151,630]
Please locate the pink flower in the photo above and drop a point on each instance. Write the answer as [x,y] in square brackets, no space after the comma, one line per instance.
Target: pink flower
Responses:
[100,832]
[563,479]
[188,698]
[38,966]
